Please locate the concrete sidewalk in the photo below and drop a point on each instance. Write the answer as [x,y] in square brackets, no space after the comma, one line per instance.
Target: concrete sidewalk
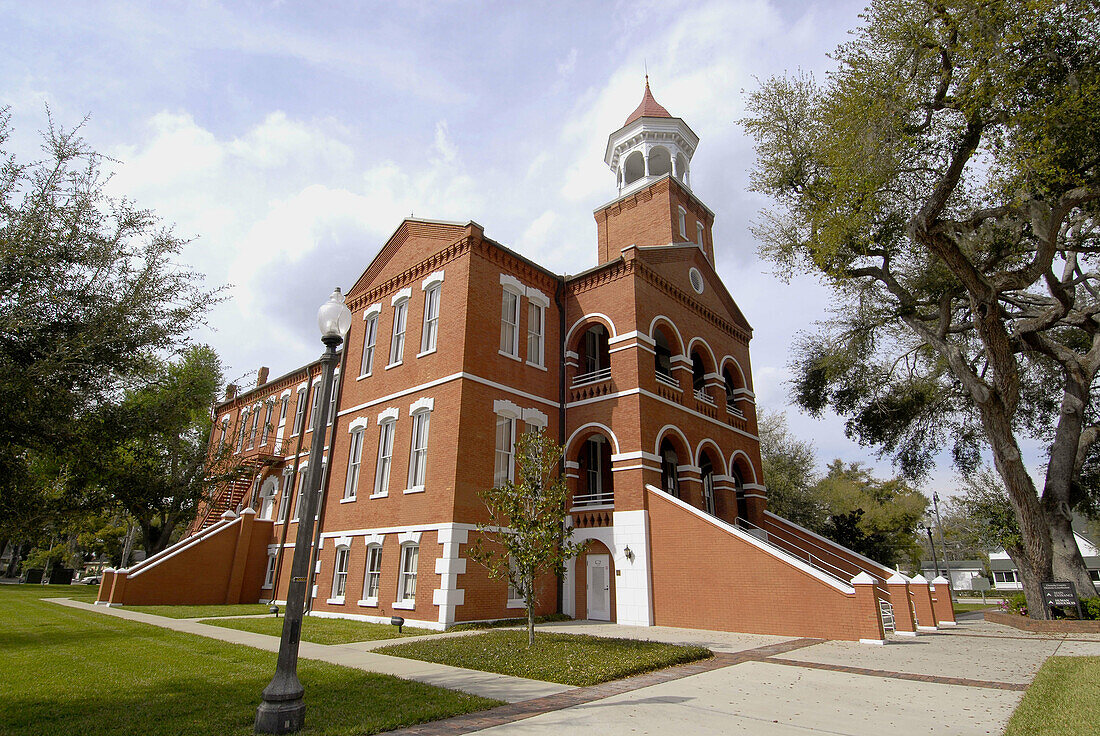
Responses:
[965,682]
[357,655]
[962,682]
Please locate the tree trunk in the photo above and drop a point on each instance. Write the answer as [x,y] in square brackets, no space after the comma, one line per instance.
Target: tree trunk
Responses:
[529,599]
[1037,559]
[1067,561]
[13,563]
[1062,470]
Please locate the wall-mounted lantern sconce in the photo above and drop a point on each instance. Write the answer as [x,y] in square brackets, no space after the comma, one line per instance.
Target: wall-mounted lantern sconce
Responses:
[629,553]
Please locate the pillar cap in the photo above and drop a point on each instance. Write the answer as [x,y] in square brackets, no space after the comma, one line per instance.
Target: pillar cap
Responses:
[897,579]
[919,579]
[249,511]
[863,579]
[941,580]
[228,515]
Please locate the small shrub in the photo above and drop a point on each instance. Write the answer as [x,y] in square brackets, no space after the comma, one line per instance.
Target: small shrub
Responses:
[1015,603]
[1091,608]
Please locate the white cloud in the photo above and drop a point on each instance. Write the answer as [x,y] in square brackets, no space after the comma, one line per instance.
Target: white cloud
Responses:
[262,230]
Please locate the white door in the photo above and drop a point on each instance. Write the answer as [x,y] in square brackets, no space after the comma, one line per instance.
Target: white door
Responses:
[599,588]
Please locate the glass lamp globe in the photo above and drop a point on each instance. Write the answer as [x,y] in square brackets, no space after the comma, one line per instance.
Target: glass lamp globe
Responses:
[334,318]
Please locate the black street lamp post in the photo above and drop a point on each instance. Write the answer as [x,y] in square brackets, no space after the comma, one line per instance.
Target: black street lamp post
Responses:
[283,708]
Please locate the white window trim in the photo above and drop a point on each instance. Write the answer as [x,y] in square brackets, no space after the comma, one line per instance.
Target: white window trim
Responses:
[511,474]
[367,317]
[426,403]
[387,419]
[338,600]
[515,287]
[400,300]
[536,418]
[683,222]
[541,363]
[351,487]
[269,572]
[360,422]
[438,285]
[373,542]
[400,602]
[435,277]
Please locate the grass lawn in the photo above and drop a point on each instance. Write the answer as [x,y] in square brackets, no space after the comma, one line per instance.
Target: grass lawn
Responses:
[570,659]
[968,607]
[67,671]
[1063,699]
[322,630]
[237,609]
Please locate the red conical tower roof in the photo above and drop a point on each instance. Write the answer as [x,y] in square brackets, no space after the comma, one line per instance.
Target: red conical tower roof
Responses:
[649,108]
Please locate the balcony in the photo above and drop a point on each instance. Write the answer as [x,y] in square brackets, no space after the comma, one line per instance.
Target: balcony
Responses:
[668,387]
[591,385]
[587,500]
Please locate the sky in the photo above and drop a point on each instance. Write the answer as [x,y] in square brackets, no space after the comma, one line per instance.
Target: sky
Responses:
[288,140]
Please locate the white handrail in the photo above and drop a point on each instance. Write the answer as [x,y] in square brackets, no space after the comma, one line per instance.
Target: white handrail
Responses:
[668,381]
[593,377]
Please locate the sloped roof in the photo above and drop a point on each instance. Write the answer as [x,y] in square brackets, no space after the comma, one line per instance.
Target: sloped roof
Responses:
[649,107]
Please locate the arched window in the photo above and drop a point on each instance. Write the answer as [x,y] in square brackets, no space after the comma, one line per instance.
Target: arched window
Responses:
[660,161]
[662,360]
[698,372]
[634,169]
[595,472]
[267,497]
[706,471]
[670,475]
[594,355]
[739,485]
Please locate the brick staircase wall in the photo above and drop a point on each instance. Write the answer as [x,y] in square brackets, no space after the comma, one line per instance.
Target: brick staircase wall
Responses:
[224,563]
[708,574]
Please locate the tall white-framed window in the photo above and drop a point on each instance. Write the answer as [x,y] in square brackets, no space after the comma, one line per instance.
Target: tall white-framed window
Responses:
[505,450]
[406,581]
[332,398]
[397,342]
[253,425]
[298,493]
[509,324]
[683,223]
[431,318]
[536,333]
[355,455]
[418,455]
[269,410]
[243,419]
[300,411]
[269,576]
[340,574]
[373,575]
[699,233]
[224,424]
[268,492]
[284,403]
[385,455]
[287,487]
[315,405]
[370,338]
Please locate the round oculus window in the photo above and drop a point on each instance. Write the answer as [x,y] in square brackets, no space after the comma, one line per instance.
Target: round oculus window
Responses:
[696,280]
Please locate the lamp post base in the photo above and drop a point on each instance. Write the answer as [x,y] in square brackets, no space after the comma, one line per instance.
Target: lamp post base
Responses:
[287,716]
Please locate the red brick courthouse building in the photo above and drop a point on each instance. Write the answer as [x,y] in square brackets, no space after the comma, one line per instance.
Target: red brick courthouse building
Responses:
[639,367]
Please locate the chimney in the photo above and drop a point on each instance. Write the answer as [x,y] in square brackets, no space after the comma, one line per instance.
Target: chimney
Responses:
[230,391]
[261,378]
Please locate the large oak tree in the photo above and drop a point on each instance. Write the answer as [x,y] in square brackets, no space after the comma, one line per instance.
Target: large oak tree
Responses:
[945,180]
